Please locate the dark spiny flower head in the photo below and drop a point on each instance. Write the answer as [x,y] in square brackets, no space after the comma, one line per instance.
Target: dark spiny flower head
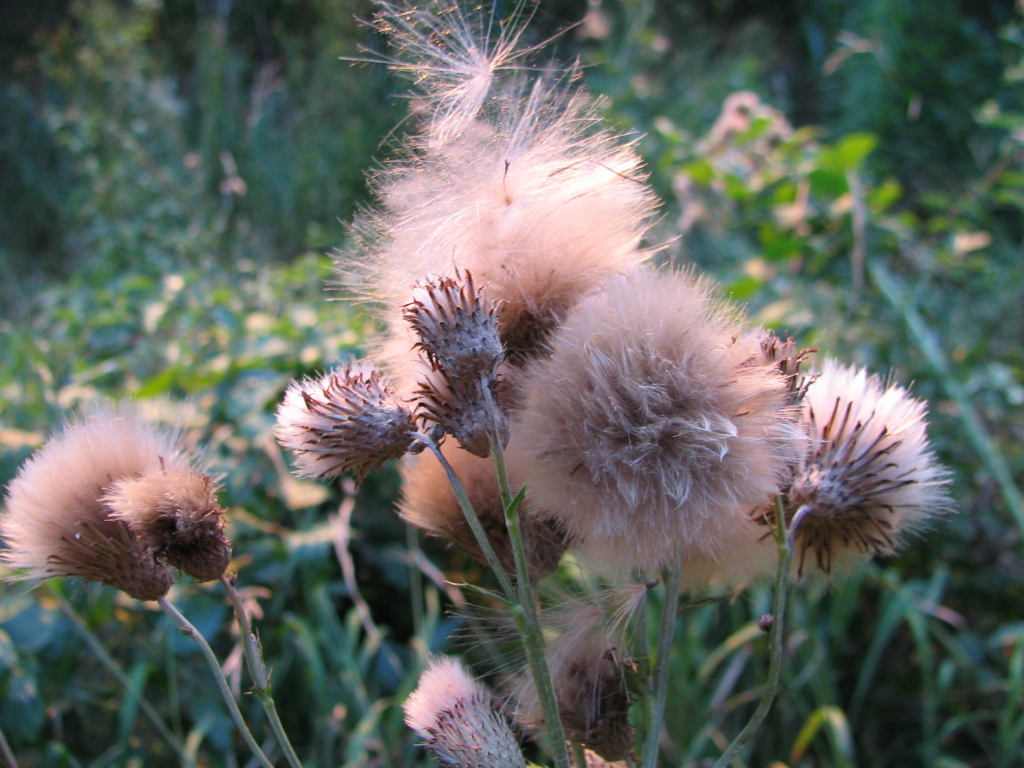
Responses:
[468,410]
[344,421]
[57,520]
[456,328]
[869,477]
[786,358]
[175,511]
[457,718]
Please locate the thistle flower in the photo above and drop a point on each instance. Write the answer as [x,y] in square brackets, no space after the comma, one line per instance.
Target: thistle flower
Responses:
[588,676]
[345,421]
[467,410]
[174,510]
[428,502]
[457,331]
[456,716]
[58,521]
[648,429]
[869,478]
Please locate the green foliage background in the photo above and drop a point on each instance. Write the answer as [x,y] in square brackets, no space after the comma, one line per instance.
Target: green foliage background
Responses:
[172,176]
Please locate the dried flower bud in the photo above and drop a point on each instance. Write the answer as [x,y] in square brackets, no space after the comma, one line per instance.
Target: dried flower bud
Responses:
[345,421]
[457,331]
[869,477]
[429,502]
[468,410]
[456,716]
[174,510]
[57,521]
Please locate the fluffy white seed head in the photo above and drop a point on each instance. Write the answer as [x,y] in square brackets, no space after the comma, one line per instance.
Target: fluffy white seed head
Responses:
[58,521]
[648,430]
[869,477]
[458,720]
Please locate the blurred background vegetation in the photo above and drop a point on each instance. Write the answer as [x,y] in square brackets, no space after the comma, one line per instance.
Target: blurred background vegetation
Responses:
[173,176]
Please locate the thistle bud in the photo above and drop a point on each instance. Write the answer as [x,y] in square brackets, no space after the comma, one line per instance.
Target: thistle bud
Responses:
[869,477]
[345,421]
[457,718]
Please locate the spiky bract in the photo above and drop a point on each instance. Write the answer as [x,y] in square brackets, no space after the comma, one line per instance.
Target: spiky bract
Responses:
[869,477]
[344,421]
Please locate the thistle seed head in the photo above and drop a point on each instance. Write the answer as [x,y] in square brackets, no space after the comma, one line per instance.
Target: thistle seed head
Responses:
[468,410]
[57,520]
[456,328]
[869,477]
[456,716]
[344,421]
[175,511]
[647,430]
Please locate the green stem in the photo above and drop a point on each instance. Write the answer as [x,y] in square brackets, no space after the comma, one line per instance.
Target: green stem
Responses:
[187,628]
[579,755]
[526,615]
[784,541]
[115,669]
[471,518]
[671,578]
[253,652]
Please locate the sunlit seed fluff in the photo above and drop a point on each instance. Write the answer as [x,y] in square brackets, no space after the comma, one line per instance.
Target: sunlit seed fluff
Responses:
[456,328]
[458,720]
[429,503]
[175,511]
[57,522]
[786,357]
[869,478]
[344,421]
[646,432]
[588,675]
[519,185]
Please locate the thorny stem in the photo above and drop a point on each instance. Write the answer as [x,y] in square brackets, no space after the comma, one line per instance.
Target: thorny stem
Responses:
[784,540]
[114,668]
[526,615]
[252,650]
[666,634]
[187,628]
[471,518]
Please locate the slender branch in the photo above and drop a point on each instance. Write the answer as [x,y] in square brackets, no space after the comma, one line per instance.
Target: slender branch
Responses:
[187,628]
[784,540]
[526,615]
[671,578]
[253,653]
[115,669]
[471,517]
[579,755]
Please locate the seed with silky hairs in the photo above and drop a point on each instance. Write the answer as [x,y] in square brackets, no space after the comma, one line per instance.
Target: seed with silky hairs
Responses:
[869,478]
[457,331]
[344,421]
[457,718]
[175,512]
[57,521]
